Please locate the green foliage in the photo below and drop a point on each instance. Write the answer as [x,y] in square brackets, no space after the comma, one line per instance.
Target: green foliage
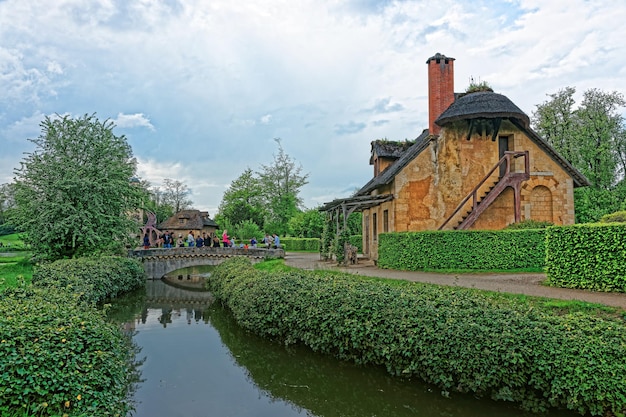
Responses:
[308,223]
[281,182]
[73,193]
[243,200]
[591,136]
[529,224]
[356,240]
[475,87]
[617,217]
[461,249]
[338,245]
[15,274]
[6,229]
[246,230]
[458,339]
[300,244]
[58,357]
[328,236]
[587,256]
[92,279]
[13,243]
[593,203]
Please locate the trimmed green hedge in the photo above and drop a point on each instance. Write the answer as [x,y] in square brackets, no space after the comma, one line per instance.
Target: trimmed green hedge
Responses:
[458,339]
[96,279]
[300,244]
[58,357]
[587,256]
[313,244]
[462,249]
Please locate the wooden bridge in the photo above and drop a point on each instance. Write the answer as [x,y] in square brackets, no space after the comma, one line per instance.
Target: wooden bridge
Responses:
[158,262]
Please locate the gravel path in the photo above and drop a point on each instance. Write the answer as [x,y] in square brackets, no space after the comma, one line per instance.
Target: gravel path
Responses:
[517,283]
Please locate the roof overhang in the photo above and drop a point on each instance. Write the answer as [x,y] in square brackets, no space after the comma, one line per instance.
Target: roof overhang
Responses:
[359,203]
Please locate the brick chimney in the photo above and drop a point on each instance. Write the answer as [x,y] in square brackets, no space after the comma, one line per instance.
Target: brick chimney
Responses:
[440,88]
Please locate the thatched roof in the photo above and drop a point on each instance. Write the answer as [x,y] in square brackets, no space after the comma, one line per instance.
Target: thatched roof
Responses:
[389,149]
[192,220]
[482,105]
[388,174]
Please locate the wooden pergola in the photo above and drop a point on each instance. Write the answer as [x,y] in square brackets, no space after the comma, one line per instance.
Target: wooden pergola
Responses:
[344,207]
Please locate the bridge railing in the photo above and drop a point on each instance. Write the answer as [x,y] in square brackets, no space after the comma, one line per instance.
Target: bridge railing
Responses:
[207,251]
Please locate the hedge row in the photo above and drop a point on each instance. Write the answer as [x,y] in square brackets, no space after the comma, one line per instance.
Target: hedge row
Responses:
[96,279]
[58,353]
[300,244]
[587,256]
[458,339]
[313,244]
[462,249]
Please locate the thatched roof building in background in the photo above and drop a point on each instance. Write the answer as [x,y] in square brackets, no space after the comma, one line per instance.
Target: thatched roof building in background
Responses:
[186,220]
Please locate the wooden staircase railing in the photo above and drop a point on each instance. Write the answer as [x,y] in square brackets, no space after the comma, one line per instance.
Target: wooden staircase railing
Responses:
[509,179]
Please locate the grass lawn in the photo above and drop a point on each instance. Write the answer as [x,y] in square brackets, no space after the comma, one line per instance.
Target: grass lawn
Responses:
[16,267]
[12,243]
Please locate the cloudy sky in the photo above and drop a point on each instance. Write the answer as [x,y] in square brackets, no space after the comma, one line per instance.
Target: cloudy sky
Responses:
[201,88]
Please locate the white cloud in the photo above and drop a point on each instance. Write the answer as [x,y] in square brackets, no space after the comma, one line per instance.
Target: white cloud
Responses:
[133,120]
[204,85]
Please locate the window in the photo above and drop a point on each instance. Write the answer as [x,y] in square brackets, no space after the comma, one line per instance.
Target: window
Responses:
[374,227]
[386,221]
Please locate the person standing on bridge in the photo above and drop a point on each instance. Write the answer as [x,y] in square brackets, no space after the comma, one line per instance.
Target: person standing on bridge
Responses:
[276,241]
[225,240]
[191,241]
[180,242]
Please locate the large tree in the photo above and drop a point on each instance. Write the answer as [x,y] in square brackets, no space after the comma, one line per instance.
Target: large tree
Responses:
[592,137]
[242,201]
[73,193]
[281,183]
[176,194]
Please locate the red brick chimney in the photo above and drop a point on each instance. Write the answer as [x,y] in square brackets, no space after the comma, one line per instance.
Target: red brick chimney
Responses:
[440,88]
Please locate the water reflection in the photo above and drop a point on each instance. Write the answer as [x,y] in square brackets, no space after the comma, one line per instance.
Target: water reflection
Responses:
[199,362]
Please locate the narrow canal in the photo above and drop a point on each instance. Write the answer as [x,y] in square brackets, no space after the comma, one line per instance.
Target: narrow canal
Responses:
[198,362]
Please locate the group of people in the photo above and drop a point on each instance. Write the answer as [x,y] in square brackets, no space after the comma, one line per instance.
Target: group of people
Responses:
[166,240]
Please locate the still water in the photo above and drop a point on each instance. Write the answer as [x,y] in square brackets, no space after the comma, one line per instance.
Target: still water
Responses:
[198,362]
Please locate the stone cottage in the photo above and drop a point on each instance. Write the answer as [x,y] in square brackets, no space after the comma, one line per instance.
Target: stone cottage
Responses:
[479,165]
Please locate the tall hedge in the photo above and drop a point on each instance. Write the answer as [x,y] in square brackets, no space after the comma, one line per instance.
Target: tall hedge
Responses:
[458,339]
[462,249]
[96,279]
[587,256]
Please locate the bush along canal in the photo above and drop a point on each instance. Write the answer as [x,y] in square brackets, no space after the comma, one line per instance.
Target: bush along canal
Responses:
[198,361]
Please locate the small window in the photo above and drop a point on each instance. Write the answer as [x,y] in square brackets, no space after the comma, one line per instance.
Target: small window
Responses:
[386,221]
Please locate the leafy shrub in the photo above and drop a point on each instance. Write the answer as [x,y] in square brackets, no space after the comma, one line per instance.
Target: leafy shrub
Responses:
[587,256]
[246,230]
[462,249]
[617,217]
[6,229]
[300,244]
[357,240]
[458,339]
[95,279]
[529,224]
[326,242]
[61,358]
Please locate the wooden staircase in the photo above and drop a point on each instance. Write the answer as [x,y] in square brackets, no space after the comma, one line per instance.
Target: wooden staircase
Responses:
[491,192]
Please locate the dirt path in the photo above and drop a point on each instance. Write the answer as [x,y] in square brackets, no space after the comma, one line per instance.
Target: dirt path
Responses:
[529,284]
